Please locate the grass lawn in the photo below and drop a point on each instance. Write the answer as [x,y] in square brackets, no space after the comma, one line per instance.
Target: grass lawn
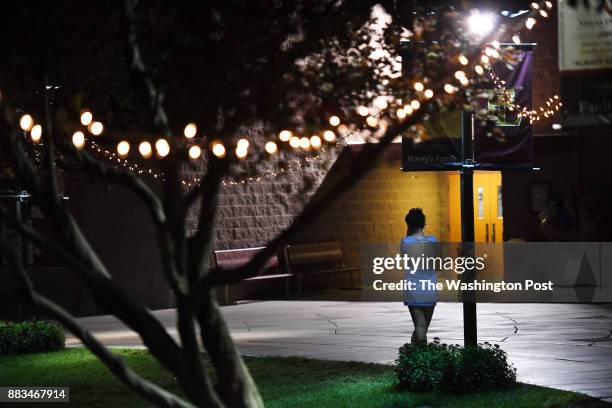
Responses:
[284,382]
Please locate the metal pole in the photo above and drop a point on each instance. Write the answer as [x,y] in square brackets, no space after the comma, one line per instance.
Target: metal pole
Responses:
[467,226]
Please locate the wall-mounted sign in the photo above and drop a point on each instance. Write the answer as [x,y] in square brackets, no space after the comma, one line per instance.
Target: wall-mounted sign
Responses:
[585,63]
[585,36]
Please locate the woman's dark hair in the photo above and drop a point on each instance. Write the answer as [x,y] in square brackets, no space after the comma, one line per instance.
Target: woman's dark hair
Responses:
[415,219]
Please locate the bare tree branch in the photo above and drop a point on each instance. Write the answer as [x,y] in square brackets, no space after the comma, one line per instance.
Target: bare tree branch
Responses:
[200,244]
[156,97]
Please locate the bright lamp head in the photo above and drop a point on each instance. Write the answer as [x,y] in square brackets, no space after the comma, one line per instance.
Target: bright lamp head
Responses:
[481,24]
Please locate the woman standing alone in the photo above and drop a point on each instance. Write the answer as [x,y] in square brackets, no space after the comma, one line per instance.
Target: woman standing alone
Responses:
[421,300]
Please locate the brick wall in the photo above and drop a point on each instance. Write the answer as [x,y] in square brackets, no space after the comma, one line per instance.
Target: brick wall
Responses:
[252,214]
[374,210]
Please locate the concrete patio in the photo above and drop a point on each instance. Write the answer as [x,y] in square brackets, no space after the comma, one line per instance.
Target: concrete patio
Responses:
[566,346]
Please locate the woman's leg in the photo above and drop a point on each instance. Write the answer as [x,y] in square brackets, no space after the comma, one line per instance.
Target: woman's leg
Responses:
[420,324]
[428,311]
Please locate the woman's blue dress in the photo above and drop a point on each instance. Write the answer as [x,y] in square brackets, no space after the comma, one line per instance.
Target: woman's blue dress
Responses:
[418,296]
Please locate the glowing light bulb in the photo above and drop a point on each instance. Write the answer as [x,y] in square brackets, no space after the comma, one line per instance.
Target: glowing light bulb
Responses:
[96,128]
[415,104]
[218,149]
[242,144]
[329,136]
[464,81]
[315,141]
[86,118]
[535,5]
[195,152]
[294,142]
[36,133]
[123,148]
[305,143]
[381,102]
[190,130]
[543,13]
[145,149]
[479,70]
[334,121]
[516,39]
[241,152]
[530,22]
[271,147]
[26,122]
[459,74]
[484,59]
[428,93]
[401,114]
[285,135]
[463,60]
[418,86]
[372,121]
[78,140]
[363,111]
[162,147]
[448,88]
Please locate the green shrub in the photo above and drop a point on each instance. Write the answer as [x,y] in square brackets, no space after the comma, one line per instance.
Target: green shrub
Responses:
[442,367]
[33,336]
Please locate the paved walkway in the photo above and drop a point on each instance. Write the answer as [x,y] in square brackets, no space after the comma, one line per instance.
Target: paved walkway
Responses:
[563,346]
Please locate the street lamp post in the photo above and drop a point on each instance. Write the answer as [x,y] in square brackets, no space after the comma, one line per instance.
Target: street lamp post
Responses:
[467,225]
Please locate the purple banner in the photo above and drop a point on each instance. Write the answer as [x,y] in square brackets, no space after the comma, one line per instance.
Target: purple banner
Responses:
[505,141]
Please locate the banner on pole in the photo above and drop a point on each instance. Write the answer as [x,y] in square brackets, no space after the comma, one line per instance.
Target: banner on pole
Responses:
[505,140]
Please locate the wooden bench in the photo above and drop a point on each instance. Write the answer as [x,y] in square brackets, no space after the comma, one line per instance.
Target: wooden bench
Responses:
[235,258]
[316,259]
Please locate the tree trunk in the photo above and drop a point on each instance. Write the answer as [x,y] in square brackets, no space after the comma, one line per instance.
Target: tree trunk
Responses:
[236,386]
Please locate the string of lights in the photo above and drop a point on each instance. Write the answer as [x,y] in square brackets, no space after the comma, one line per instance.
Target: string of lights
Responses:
[134,167]
[553,103]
